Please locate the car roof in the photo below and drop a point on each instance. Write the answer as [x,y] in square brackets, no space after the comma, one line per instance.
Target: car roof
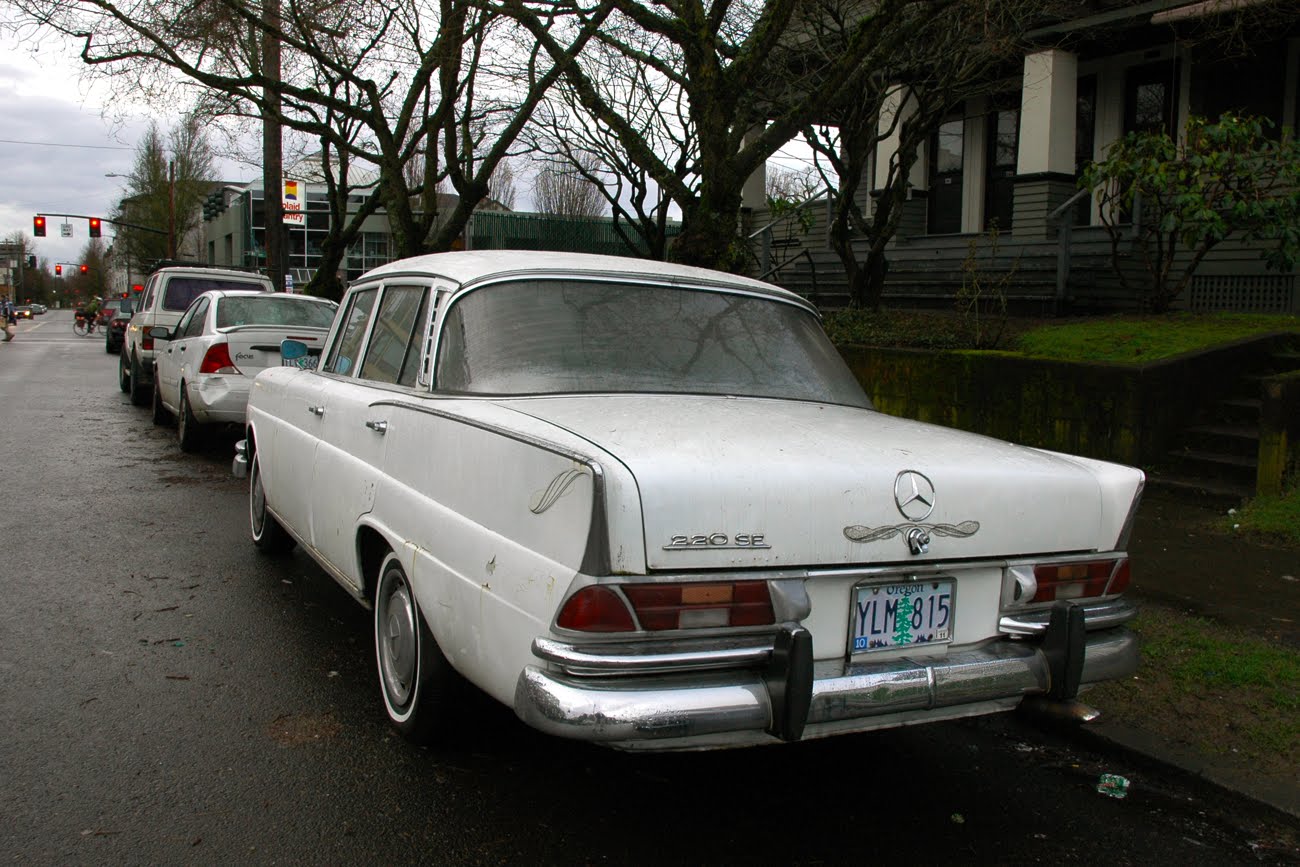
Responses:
[195,271]
[469,267]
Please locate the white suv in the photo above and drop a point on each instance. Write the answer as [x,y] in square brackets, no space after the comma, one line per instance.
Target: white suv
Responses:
[166,295]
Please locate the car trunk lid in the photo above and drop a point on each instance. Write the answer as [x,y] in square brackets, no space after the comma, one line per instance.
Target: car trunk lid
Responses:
[743,482]
[256,347]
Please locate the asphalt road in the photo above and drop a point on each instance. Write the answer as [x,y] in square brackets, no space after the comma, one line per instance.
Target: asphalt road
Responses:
[168,695]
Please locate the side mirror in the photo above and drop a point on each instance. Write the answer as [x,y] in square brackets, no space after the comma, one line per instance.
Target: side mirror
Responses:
[293,353]
[160,332]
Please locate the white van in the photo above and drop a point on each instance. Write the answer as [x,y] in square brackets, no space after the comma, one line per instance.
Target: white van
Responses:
[166,295]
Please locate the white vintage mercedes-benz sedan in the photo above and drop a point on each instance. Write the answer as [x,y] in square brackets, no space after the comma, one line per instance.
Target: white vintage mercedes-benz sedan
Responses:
[649,506]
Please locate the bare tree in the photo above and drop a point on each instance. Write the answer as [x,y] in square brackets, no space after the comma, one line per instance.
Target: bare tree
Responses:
[566,192]
[792,185]
[501,186]
[749,81]
[564,134]
[975,40]
[448,83]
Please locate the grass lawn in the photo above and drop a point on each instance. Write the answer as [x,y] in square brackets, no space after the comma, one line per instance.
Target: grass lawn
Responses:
[1141,339]
[1116,339]
[1243,692]
[1276,519]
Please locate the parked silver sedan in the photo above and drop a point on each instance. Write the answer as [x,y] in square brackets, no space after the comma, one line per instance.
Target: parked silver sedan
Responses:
[205,366]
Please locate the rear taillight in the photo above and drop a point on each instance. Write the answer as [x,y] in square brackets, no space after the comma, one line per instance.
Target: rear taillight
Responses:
[595,609]
[217,360]
[698,606]
[146,341]
[658,607]
[1080,580]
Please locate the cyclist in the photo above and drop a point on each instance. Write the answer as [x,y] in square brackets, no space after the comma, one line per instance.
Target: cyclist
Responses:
[86,315]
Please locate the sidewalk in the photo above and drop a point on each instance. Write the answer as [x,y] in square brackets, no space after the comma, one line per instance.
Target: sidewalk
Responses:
[1179,564]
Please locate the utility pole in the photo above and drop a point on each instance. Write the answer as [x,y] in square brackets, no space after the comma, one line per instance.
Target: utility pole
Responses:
[171,209]
[272,155]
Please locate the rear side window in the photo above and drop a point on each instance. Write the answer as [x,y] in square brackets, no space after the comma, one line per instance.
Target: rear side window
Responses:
[274,309]
[390,352]
[180,292]
[343,355]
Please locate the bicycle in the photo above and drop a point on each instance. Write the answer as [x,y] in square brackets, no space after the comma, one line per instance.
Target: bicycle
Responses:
[84,325]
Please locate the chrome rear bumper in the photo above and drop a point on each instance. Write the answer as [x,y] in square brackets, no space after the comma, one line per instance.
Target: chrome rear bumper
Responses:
[704,708]
[239,466]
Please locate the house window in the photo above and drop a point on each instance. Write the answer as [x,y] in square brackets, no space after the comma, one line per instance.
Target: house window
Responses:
[1149,97]
[1085,128]
[944,217]
[1251,85]
[1000,173]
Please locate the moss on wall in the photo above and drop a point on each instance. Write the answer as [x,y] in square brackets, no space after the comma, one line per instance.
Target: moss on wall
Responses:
[1123,413]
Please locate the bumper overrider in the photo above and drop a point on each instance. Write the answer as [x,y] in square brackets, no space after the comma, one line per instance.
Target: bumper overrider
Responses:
[757,689]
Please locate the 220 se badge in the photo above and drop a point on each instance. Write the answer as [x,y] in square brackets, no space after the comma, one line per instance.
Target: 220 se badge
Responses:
[716,541]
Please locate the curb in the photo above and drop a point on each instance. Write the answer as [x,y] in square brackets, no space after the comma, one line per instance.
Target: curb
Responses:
[1277,794]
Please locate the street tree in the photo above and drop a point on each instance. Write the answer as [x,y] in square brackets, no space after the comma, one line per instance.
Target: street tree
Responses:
[565,191]
[749,83]
[1172,202]
[567,137]
[448,83]
[949,59]
[159,214]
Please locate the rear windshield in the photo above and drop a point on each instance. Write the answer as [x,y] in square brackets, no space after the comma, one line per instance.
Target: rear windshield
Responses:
[181,291]
[535,337]
[272,309]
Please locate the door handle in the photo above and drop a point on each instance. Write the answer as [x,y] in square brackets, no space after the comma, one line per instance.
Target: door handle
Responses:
[316,410]
[379,427]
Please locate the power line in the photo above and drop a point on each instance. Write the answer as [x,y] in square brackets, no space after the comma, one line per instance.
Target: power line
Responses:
[50,144]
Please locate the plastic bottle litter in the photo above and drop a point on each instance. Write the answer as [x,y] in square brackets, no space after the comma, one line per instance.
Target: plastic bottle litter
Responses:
[1113,785]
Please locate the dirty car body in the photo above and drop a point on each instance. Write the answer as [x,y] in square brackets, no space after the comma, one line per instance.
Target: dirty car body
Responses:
[649,506]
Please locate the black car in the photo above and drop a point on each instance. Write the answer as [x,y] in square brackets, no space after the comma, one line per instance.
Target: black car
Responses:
[115,326]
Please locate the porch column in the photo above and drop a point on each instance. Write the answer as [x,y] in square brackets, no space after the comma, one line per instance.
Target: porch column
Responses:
[1045,161]
[753,194]
[899,105]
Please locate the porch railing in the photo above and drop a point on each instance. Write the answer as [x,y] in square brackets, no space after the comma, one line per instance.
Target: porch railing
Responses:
[764,235]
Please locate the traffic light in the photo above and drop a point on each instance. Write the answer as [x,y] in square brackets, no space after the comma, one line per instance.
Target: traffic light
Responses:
[58,270]
[31,261]
[94,227]
[38,226]
[85,269]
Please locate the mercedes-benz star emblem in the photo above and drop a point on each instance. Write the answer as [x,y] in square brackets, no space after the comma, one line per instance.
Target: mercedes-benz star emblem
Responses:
[914,494]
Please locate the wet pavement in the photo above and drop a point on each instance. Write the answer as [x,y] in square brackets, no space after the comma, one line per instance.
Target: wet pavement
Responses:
[1182,558]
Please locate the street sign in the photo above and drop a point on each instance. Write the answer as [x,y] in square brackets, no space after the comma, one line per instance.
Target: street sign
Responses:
[295,194]
[288,282]
[65,230]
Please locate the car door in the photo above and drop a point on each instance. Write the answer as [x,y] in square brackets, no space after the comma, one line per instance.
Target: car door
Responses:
[171,355]
[350,459]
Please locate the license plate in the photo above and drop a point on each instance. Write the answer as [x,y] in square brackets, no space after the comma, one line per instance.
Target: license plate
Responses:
[888,616]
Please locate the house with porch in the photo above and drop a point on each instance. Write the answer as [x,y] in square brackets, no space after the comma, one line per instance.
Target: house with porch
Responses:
[996,183]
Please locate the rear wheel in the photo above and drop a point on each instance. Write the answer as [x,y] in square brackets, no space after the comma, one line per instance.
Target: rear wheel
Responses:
[188,430]
[81,328]
[415,678]
[139,397]
[266,531]
[160,414]
[123,378]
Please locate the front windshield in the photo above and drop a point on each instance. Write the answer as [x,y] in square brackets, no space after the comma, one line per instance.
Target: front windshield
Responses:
[567,336]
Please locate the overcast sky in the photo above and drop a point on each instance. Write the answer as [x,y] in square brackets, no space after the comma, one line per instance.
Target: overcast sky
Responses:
[56,147]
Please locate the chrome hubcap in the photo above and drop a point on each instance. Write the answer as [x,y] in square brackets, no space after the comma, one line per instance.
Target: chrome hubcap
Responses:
[398,643]
[257,501]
